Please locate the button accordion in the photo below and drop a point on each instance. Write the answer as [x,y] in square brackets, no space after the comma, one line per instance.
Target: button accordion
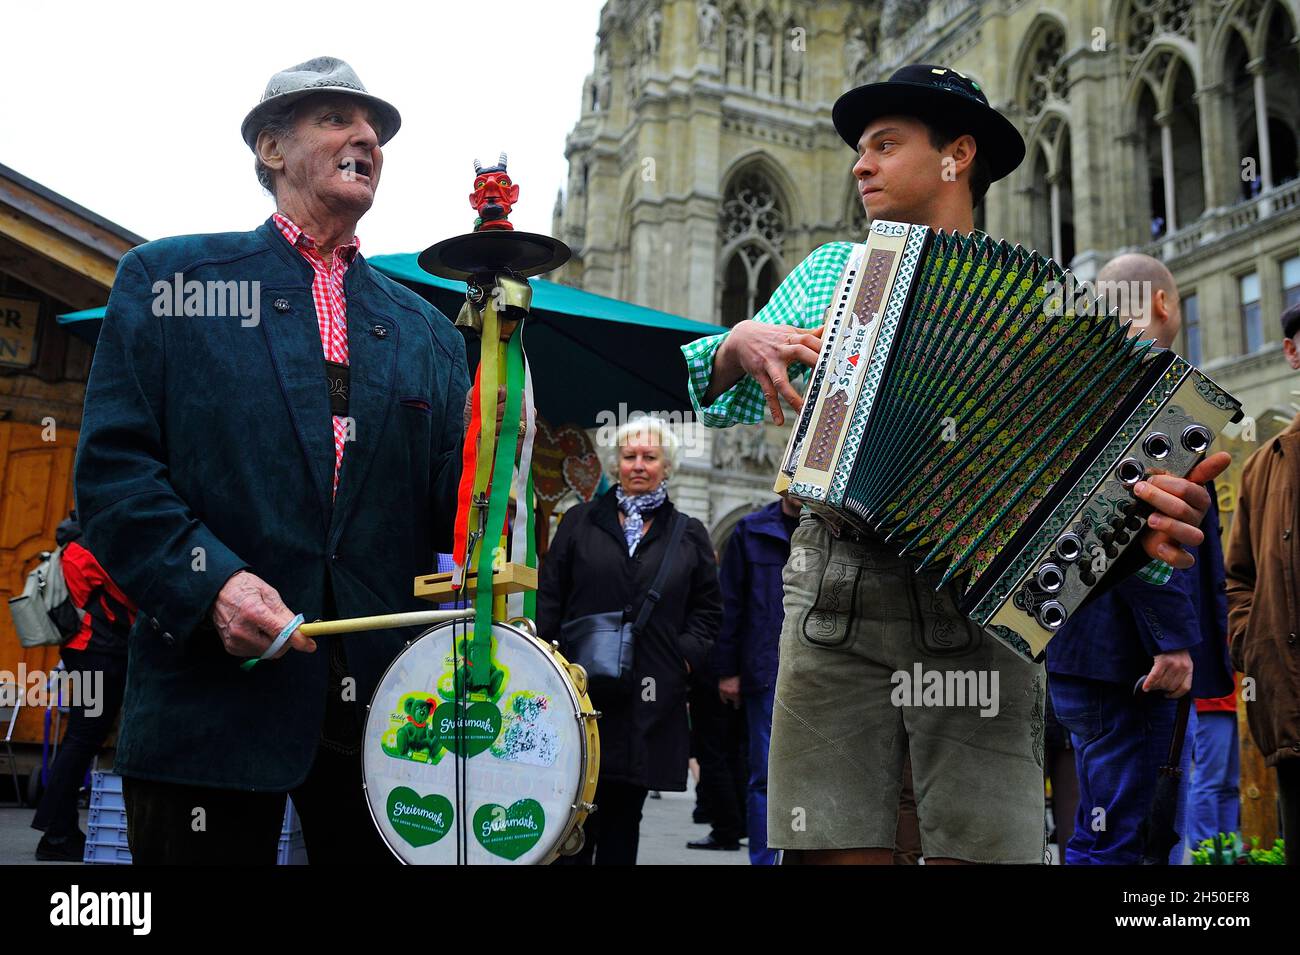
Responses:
[971,409]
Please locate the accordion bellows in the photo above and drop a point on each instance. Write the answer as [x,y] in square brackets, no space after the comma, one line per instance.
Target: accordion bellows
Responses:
[971,408]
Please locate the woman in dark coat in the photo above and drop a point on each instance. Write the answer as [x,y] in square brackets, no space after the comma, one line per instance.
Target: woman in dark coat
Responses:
[604,557]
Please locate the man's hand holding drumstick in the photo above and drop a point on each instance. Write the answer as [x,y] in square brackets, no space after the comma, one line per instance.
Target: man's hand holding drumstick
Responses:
[249,615]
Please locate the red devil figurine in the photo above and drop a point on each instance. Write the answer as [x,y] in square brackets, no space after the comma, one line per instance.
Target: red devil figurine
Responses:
[493,196]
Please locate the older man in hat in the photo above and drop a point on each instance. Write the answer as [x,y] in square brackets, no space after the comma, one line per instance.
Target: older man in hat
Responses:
[272,428]
[928,146]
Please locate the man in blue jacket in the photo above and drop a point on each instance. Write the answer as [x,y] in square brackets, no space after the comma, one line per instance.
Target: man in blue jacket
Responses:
[746,648]
[1170,638]
[271,427]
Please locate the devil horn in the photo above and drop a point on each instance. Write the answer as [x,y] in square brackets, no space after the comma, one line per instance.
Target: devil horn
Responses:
[503,160]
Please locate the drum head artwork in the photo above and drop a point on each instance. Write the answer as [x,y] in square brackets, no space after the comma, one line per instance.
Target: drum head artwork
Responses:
[522,743]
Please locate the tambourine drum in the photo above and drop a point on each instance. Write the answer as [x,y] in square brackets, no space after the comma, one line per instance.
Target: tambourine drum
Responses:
[500,777]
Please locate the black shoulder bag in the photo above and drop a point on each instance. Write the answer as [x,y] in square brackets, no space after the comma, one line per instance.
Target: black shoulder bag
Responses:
[605,643]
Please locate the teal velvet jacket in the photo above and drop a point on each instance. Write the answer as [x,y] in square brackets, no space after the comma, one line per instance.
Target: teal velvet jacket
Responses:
[207,447]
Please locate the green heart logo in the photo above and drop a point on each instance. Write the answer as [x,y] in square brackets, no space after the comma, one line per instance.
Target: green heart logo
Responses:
[478,726]
[420,820]
[509,833]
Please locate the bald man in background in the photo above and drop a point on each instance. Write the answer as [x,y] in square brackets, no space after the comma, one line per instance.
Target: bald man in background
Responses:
[1116,669]
[1144,291]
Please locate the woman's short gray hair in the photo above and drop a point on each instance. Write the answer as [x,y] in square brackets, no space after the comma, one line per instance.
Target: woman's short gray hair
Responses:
[645,426]
[279,124]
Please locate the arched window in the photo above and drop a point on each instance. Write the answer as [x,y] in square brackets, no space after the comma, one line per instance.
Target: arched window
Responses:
[752,228]
[1045,77]
[1152,162]
[1043,94]
[1166,127]
[1263,79]
[1185,137]
[1169,136]
[1051,193]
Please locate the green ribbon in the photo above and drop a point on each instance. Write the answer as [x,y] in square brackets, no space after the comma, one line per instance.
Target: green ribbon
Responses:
[480,648]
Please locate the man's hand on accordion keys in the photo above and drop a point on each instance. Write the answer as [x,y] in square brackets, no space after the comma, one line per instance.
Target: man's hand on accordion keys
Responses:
[1179,506]
[765,352]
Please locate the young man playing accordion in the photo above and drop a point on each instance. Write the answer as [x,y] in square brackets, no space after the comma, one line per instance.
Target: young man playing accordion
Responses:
[856,614]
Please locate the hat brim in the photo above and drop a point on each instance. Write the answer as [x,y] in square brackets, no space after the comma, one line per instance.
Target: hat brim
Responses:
[390,120]
[995,135]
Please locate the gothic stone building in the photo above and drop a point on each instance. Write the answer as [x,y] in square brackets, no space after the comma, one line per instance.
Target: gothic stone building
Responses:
[704,165]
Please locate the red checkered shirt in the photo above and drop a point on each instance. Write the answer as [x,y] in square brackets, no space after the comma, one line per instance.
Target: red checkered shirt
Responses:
[331,308]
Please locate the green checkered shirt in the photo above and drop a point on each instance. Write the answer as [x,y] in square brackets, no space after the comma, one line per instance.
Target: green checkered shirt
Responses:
[799,301]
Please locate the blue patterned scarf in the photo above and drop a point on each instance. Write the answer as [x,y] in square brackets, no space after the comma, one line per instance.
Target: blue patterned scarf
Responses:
[633,505]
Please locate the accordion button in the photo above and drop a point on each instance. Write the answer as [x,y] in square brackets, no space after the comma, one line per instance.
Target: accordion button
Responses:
[1104,534]
[1087,576]
[1117,522]
[1121,538]
[1112,551]
[1134,522]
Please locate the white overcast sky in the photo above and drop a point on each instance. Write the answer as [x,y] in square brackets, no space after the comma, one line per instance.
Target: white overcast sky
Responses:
[132,108]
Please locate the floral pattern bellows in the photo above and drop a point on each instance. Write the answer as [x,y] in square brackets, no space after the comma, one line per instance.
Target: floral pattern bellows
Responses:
[633,505]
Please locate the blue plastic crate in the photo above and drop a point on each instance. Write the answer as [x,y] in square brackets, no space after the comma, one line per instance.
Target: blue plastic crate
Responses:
[101,799]
[116,818]
[292,851]
[106,835]
[106,830]
[108,855]
[107,782]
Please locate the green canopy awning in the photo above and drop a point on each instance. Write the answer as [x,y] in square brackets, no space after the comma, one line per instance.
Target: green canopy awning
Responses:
[589,353]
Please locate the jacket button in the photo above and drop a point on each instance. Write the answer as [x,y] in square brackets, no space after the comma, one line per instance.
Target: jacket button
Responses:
[169,639]
[1286,534]
[281,305]
[336,556]
[379,331]
[1291,639]
[153,622]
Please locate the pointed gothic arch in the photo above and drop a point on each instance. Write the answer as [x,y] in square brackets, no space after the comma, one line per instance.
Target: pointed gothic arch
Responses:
[1040,38]
[1163,122]
[1252,56]
[753,219]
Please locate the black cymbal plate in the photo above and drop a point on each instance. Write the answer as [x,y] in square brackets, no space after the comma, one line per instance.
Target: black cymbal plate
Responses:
[499,250]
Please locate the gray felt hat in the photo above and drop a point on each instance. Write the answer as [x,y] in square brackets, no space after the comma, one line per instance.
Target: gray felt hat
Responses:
[322,74]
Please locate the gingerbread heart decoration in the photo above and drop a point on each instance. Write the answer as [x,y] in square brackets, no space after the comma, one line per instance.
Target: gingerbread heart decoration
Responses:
[582,473]
[548,460]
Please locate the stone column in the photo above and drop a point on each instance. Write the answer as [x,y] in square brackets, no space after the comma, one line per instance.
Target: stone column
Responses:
[1213,106]
[1167,170]
[1256,68]
[1054,191]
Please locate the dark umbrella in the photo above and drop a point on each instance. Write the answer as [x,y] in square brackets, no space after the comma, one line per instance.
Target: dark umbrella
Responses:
[1157,831]
[588,353]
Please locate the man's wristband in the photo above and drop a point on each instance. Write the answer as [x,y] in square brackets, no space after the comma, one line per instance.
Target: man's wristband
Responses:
[279,642]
